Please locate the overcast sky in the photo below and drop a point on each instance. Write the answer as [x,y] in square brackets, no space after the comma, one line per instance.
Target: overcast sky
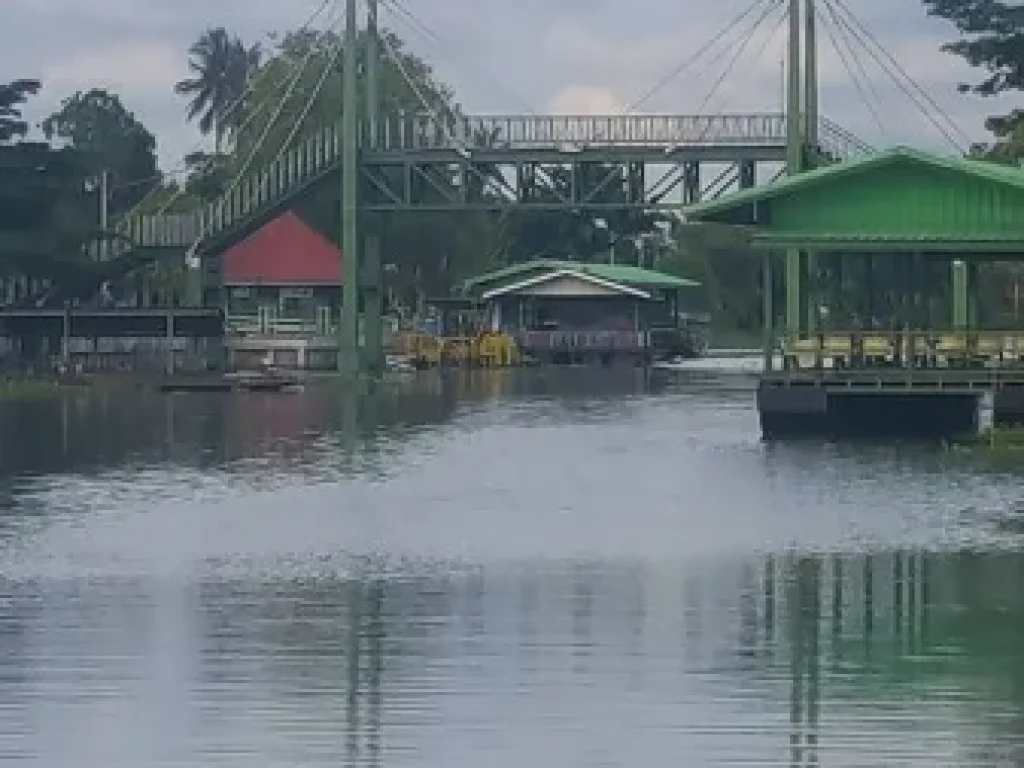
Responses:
[578,56]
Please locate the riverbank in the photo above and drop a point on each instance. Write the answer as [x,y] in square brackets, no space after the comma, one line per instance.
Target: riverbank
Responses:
[21,386]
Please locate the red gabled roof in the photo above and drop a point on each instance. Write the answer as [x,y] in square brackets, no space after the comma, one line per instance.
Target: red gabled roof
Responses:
[287,251]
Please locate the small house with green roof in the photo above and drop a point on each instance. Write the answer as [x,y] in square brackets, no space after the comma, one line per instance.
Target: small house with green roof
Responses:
[603,308]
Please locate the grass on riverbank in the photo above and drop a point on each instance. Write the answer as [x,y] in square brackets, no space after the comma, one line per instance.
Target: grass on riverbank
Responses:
[20,387]
[1005,441]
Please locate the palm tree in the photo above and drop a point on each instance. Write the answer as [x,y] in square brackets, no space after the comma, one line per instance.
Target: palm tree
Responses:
[221,65]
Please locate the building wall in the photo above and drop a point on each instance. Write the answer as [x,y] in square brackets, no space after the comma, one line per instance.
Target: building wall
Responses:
[573,313]
[567,286]
[297,302]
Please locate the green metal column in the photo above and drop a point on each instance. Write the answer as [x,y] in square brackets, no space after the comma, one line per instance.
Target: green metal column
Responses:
[959,293]
[810,74]
[373,352]
[794,163]
[372,70]
[768,309]
[373,347]
[349,359]
[810,142]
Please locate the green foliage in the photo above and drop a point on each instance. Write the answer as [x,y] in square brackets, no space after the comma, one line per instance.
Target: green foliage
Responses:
[298,90]
[44,213]
[12,96]
[221,65]
[992,40]
[107,138]
[208,175]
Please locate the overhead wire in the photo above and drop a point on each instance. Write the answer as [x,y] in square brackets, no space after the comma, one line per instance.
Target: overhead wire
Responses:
[329,65]
[229,109]
[863,28]
[891,67]
[773,6]
[662,82]
[853,66]
[401,11]
[262,138]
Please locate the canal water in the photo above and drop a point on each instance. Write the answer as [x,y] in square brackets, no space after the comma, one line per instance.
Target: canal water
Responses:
[531,568]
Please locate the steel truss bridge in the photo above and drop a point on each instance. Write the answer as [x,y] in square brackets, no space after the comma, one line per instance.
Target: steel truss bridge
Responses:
[422,163]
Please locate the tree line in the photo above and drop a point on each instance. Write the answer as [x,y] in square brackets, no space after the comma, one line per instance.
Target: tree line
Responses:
[255,101]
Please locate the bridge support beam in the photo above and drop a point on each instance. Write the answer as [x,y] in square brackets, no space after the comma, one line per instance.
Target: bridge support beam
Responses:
[349,356]
[691,182]
[748,174]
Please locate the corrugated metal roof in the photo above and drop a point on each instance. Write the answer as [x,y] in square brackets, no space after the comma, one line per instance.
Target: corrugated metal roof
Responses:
[938,243]
[995,172]
[616,273]
[287,251]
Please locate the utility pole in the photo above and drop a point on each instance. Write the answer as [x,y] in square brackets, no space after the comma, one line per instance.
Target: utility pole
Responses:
[349,356]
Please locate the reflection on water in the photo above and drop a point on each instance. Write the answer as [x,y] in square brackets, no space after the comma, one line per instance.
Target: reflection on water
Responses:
[550,569]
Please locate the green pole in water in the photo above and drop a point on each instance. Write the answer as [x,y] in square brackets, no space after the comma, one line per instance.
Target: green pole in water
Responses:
[809,140]
[768,310]
[349,358]
[373,290]
[794,164]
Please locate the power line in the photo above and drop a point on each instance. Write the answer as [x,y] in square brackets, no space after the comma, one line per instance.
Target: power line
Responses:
[687,63]
[855,71]
[870,43]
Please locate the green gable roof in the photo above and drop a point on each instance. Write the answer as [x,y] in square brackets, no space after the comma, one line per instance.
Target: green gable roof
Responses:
[982,169]
[623,274]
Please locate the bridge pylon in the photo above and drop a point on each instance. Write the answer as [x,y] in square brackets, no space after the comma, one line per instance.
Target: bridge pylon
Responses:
[360,343]
[801,145]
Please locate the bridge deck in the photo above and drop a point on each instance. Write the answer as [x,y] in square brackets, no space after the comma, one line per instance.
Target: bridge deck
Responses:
[466,144]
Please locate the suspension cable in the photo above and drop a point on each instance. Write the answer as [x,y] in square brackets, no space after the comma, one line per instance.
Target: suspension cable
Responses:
[332,60]
[772,7]
[854,70]
[400,11]
[870,43]
[687,63]
[261,140]
[219,115]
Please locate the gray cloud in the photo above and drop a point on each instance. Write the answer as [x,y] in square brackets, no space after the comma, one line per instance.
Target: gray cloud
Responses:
[578,55]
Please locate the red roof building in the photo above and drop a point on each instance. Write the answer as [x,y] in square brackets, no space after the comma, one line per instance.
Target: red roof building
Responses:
[285,252]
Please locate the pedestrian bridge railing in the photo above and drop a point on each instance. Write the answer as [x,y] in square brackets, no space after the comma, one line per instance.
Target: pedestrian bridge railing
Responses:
[416,136]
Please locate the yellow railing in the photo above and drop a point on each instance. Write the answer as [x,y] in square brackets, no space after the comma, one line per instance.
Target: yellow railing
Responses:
[909,349]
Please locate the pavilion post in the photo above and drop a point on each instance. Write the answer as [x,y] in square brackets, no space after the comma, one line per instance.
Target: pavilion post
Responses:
[959,292]
[768,309]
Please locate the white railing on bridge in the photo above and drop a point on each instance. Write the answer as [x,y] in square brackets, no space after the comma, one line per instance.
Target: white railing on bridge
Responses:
[422,133]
